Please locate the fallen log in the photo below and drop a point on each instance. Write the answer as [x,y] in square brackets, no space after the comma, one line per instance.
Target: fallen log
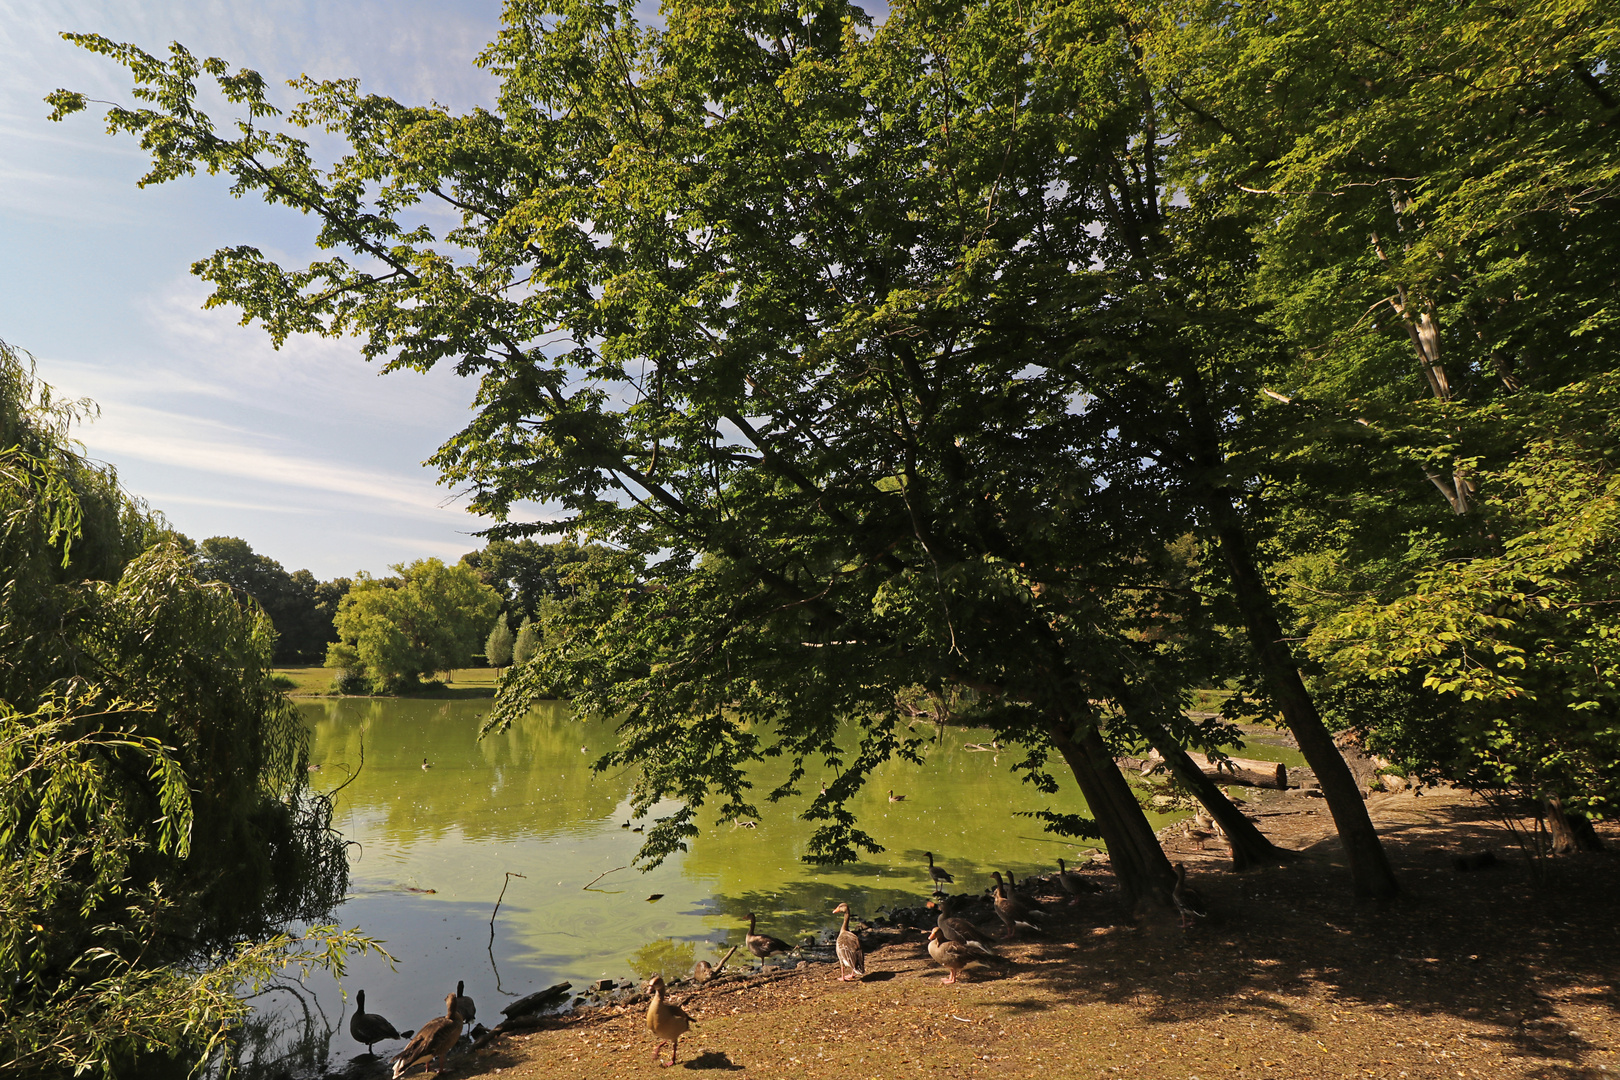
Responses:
[540,999]
[1231,770]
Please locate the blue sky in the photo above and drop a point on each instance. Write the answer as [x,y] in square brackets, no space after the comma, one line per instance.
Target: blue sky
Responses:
[307,453]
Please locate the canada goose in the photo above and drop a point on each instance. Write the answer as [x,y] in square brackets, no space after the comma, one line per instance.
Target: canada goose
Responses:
[1189,901]
[426,764]
[949,954]
[848,948]
[666,1020]
[763,945]
[370,1027]
[937,873]
[464,1004]
[433,1040]
[1012,913]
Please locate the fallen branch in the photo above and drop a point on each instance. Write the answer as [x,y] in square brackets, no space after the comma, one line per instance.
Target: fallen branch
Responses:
[600,876]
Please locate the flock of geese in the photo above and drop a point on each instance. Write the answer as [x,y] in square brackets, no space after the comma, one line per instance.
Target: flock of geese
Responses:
[953,942]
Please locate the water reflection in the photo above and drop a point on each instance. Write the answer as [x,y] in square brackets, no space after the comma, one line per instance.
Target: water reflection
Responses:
[437,844]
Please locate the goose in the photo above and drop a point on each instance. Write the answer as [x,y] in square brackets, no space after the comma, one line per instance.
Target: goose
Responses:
[963,932]
[848,948]
[370,1027]
[1024,894]
[1189,901]
[426,764]
[895,798]
[950,955]
[938,874]
[1013,913]
[666,1020]
[464,1004]
[1073,883]
[433,1040]
[763,945]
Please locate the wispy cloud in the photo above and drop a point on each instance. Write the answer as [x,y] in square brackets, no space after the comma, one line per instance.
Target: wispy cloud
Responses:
[131,431]
[161,499]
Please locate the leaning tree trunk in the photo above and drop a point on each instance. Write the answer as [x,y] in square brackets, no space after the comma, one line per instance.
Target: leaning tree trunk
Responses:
[1370,872]
[1249,845]
[1571,831]
[1138,862]
[1250,848]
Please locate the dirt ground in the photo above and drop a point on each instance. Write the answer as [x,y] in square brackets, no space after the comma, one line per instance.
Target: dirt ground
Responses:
[1501,972]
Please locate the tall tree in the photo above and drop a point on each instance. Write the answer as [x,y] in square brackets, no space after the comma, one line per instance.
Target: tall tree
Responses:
[498,646]
[879,336]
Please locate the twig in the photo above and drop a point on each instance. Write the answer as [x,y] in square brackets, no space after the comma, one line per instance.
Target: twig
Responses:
[510,874]
[600,876]
[357,768]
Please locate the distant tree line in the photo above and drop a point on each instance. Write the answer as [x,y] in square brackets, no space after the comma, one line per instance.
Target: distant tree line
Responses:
[301,608]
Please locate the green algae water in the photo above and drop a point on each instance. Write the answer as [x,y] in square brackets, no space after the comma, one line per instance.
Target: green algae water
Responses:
[442,822]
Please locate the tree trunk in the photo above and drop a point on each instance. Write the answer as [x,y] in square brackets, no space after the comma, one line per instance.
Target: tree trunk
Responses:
[1370,872]
[1250,848]
[1249,845]
[1571,831]
[1138,862]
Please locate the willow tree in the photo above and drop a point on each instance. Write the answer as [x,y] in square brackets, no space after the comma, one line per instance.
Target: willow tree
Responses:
[155,825]
[873,338]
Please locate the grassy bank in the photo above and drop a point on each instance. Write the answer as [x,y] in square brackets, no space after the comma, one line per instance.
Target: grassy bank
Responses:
[461,683]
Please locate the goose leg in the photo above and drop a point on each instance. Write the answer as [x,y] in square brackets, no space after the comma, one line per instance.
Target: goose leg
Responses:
[657,1048]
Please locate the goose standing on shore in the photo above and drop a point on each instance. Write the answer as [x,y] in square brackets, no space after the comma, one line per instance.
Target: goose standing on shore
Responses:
[1073,883]
[763,945]
[1012,913]
[464,1004]
[433,1039]
[848,948]
[1189,901]
[666,1020]
[950,955]
[962,931]
[370,1027]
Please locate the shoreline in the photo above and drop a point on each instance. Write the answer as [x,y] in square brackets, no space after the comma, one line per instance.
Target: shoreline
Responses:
[1471,973]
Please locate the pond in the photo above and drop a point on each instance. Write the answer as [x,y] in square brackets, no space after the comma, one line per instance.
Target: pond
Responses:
[435,845]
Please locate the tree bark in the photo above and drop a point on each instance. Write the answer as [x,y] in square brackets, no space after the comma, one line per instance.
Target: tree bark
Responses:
[1138,862]
[1571,831]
